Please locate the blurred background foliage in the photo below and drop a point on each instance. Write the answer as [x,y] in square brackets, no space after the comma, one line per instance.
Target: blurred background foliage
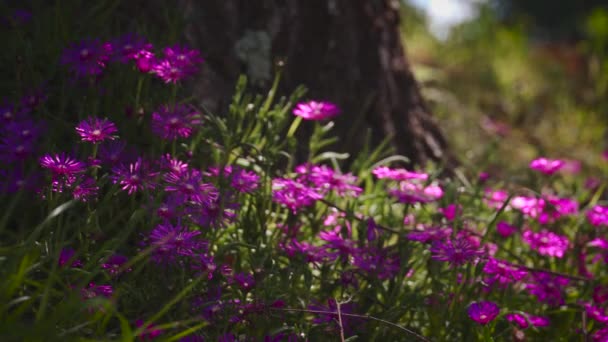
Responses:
[514,79]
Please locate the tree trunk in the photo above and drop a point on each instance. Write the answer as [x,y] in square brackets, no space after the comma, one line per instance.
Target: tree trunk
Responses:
[345,51]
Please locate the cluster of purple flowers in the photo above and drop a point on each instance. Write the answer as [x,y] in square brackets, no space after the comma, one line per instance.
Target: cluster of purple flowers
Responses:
[311,184]
[90,57]
[412,187]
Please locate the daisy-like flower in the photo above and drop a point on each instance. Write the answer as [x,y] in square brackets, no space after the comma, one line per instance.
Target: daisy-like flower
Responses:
[293,194]
[502,272]
[178,64]
[598,216]
[547,166]
[133,177]
[483,312]
[430,234]
[548,288]
[458,252]
[87,57]
[398,174]
[62,165]
[179,122]
[172,242]
[327,179]
[113,263]
[546,242]
[412,193]
[96,130]
[126,47]
[85,189]
[316,110]
[524,320]
[190,186]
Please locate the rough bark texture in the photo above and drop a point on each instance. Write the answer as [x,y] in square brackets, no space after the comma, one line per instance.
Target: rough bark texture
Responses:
[345,51]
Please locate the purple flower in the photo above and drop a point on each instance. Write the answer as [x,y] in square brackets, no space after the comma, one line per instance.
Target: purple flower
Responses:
[16,179]
[178,64]
[85,189]
[180,121]
[451,211]
[87,57]
[62,165]
[598,216]
[331,317]
[547,166]
[93,291]
[245,181]
[601,335]
[133,177]
[546,242]
[326,179]
[410,192]
[149,333]
[67,256]
[245,281]
[8,112]
[398,174]
[113,264]
[172,241]
[430,234]
[495,198]
[293,194]
[524,320]
[504,229]
[548,288]
[458,252]
[126,47]
[310,252]
[216,214]
[316,110]
[483,312]
[96,130]
[596,313]
[190,186]
[502,272]
[377,263]
[144,60]
[116,151]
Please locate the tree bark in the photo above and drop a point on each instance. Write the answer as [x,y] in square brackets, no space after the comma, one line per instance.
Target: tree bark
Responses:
[345,51]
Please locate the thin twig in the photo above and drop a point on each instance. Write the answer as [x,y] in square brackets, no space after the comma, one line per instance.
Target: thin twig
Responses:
[416,335]
[338,304]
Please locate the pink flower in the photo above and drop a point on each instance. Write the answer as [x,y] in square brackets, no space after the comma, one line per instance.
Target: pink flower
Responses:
[483,312]
[524,320]
[451,211]
[547,166]
[398,174]
[96,130]
[598,216]
[316,110]
[409,192]
[456,252]
[505,229]
[547,243]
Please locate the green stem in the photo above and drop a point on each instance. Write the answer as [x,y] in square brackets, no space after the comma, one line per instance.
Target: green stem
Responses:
[294,126]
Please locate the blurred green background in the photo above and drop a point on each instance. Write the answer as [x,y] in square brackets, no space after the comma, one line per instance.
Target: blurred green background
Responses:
[510,80]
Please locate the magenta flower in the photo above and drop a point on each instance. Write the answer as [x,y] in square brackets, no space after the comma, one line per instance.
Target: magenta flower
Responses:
[430,234]
[62,165]
[113,264]
[171,242]
[150,332]
[178,64]
[245,181]
[133,177]
[524,320]
[596,313]
[67,256]
[293,194]
[127,47]
[85,189]
[458,252]
[316,110]
[495,198]
[87,58]
[245,281]
[451,211]
[548,288]
[96,130]
[502,272]
[598,216]
[93,291]
[409,192]
[190,186]
[547,166]
[326,179]
[546,242]
[181,121]
[483,312]
[504,229]
[144,60]
[383,172]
